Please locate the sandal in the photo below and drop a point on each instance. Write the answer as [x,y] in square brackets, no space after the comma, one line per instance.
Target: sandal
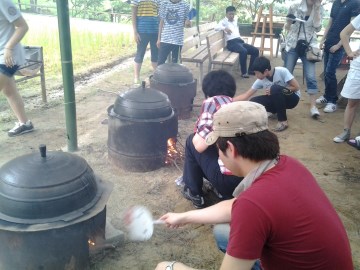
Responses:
[355,142]
[280,127]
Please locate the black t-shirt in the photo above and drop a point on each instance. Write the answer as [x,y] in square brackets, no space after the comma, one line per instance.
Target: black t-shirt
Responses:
[341,14]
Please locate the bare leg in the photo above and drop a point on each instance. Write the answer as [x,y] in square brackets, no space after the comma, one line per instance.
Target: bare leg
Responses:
[16,103]
[137,68]
[312,101]
[350,112]
[154,65]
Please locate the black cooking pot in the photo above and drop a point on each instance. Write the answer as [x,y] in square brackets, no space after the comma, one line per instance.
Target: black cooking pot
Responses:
[35,188]
[177,82]
[140,123]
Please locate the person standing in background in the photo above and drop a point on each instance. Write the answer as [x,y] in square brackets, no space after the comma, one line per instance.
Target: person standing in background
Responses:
[173,15]
[13,28]
[145,24]
[235,43]
[311,12]
[340,16]
[351,89]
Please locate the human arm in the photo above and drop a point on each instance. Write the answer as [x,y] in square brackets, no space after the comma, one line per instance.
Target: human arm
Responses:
[293,85]
[21,28]
[222,26]
[176,266]
[134,10]
[317,19]
[245,96]
[217,213]
[345,37]
[199,143]
[230,263]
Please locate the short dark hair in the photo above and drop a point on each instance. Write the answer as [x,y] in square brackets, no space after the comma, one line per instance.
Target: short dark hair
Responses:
[230,9]
[218,82]
[261,63]
[257,147]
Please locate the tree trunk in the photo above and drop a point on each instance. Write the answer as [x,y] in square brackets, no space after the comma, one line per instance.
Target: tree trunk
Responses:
[33,4]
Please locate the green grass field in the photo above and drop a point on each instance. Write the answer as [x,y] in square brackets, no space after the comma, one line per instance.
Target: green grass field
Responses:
[94,45]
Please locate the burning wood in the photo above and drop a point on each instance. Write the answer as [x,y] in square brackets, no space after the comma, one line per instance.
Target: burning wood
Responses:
[174,154]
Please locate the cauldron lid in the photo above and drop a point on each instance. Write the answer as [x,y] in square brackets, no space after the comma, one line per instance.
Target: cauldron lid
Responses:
[173,73]
[143,103]
[46,186]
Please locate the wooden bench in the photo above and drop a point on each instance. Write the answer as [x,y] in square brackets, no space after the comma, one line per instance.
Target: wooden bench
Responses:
[34,67]
[205,30]
[218,55]
[192,51]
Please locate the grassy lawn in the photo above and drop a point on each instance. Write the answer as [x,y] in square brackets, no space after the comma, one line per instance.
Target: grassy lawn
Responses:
[94,45]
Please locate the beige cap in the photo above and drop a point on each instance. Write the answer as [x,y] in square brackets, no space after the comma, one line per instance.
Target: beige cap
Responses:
[236,119]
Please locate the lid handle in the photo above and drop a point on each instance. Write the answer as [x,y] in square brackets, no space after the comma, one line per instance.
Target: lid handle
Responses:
[42,148]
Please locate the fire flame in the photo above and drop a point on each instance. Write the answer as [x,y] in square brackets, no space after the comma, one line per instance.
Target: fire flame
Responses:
[91,243]
[173,152]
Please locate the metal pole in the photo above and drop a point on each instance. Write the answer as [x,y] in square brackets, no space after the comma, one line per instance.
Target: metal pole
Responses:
[198,13]
[67,73]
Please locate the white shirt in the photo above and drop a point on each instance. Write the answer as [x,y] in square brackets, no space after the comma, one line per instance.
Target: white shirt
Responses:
[8,14]
[225,23]
[281,77]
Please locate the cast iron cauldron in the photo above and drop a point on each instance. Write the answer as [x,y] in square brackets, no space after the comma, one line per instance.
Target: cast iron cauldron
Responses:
[140,123]
[51,205]
[177,82]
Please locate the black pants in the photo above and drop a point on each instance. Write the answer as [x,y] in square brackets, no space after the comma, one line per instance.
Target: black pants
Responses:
[167,48]
[198,165]
[278,103]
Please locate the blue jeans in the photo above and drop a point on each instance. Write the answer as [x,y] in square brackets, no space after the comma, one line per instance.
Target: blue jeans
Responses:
[167,48]
[145,39]
[8,71]
[309,69]
[198,165]
[331,62]
[239,46]
[221,235]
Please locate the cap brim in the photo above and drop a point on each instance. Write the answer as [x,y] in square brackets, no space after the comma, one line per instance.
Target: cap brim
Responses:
[211,138]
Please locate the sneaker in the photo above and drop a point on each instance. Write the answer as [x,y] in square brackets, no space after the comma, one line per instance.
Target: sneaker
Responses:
[245,76]
[344,136]
[197,200]
[330,107]
[21,128]
[271,115]
[321,100]
[314,112]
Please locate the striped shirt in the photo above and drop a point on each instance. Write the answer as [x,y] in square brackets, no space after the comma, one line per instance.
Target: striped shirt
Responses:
[147,20]
[205,121]
[174,16]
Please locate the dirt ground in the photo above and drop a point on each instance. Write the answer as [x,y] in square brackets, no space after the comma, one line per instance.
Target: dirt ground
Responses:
[335,166]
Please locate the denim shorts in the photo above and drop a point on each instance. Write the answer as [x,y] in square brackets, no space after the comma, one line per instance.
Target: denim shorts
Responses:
[8,71]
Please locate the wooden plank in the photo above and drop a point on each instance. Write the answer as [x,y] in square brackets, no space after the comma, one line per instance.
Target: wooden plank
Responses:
[218,35]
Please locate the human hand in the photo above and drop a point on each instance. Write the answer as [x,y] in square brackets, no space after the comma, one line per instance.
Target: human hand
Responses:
[227,31]
[354,54]
[137,37]
[290,18]
[173,220]
[267,91]
[8,57]
[334,48]
[321,45]
[187,23]
[177,266]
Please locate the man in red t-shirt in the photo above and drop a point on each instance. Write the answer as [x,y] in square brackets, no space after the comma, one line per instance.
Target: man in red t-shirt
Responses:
[280,214]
